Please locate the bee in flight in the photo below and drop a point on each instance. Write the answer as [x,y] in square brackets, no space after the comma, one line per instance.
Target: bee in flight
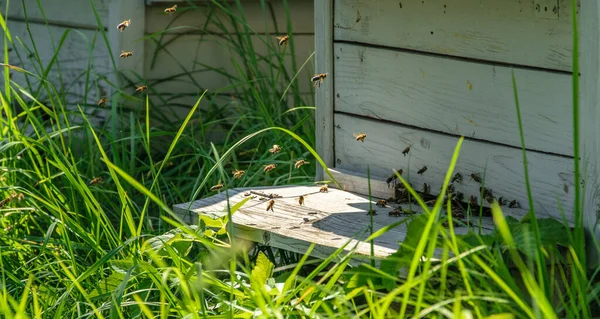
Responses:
[300,163]
[96,181]
[393,177]
[476,177]
[123,25]
[270,205]
[269,167]
[318,78]
[360,137]
[283,40]
[301,200]
[125,54]
[514,204]
[324,189]
[237,174]
[171,10]
[141,88]
[422,170]
[406,150]
[275,149]
[102,101]
[217,187]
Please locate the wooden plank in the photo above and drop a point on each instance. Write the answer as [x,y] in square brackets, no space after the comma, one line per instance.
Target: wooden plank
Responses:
[327,219]
[456,97]
[258,19]
[551,176]
[73,13]
[589,119]
[463,28]
[187,53]
[324,93]
[130,39]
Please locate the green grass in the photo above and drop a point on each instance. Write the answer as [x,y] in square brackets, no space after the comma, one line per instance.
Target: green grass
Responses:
[115,249]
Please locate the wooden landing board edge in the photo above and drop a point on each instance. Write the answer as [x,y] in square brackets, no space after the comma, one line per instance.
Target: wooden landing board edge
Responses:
[327,219]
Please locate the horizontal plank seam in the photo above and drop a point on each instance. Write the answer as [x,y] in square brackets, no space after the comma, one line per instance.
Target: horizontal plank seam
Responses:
[55,23]
[205,33]
[453,57]
[448,134]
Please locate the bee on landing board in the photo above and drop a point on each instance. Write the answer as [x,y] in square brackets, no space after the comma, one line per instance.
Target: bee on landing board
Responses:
[514,204]
[102,101]
[360,137]
[121,26]
[269,167]
[283,40]
[301,200]
[300,163]
[270,205]
[125,54]
[422,170]
[406,150]
[318,78]
[426,188]
[171,10]
[393,177]
[324,189]
[381,203]
[476,177]
[372,212]
[275,149]
[457,178]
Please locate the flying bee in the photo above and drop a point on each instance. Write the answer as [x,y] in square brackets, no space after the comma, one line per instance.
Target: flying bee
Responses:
[324,189]
[217,187]
[96,180]
[514,204]
[21,197]
[275,149]
[301,200]
[141,88]
[102,101]
[457,178]
[171,10]
[123,25]
[125,54]
[406,150]
[269,167]
[300,163]
[270,205]
[360,136]
[237,174]
[318,78]
[426,188]
[393,177]
[381,203]
[422,170]
[372,212]
[476,177]
[283,40]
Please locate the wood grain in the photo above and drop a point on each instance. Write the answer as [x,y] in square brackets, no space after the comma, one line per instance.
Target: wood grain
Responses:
[456,97]
[465,28]
[550,176]
[258,19]
[324,93]
[74,13]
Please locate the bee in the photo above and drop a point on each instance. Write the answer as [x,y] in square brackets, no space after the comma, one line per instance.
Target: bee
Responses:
[141,88]
[487,194]
[396,212]
[5,201]
[318,78]
[409,211]
[96,181]
[360,137]
[472,200]
[102,101]
[476,177]
[459,196]
[275,149]
[171,10]
[406,150]
[381,203]
[300,163]
[393,177]
[502,201]
[372,212]
[301,200]
[270,205]
[324,189]
[514,204]
[21,197]
[217,187]
[426,188]
[237,174]
[283,40]
[457,178]
[269,167]
[123,25]
[422,170]
[125,54]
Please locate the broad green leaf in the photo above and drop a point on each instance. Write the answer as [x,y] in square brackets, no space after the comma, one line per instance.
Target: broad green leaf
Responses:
[262,270]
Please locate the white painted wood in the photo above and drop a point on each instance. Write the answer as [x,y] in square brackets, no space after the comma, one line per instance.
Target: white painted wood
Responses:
[131,39]
[324,92]
[73,13]
[456,97]
[382,150]
[257,18]
[327,219]
[508,31]
[194,52]
[589,119]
